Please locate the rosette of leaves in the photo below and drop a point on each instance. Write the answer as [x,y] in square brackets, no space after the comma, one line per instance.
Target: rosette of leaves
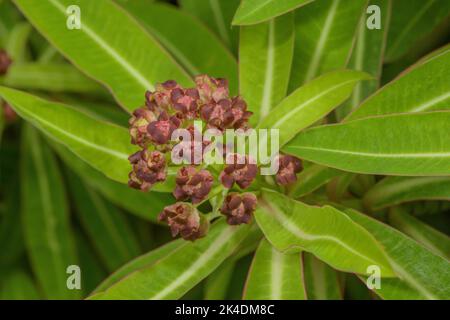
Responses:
[365,106]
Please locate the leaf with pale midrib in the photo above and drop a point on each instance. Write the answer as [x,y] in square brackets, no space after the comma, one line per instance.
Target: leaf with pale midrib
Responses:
[399,144]
[103,48]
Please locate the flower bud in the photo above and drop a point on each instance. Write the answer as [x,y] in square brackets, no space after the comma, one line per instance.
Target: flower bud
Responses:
[160,99]
[239,208]
[192,183]
[239,170]
[160,131]
[196,146]
[288,168]
[240,113]
[185,220]
[211,89]
[226,114]
[185,102]
[139,122]
[148,169]
[217,115]
[5,62]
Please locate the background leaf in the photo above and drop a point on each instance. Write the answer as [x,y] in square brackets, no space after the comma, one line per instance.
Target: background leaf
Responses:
[17,42]
[321,281]
[402,144]
[109,231]
[417,20]
[18,286]
[422,270]
[312,178]
[217,15]
[217,283]
[395,190]
[324,35]
[50,77]
[265,57]
[432,239]
[255,11]
[104,146]
[45,217]
[274,275]
[367,55]
[422,88]
[105,36]
[191,43]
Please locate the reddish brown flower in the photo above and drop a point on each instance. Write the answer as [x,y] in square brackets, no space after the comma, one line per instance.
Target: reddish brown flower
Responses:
[5,62]
[192,183]
[160,99]
[226,114]
[185,102]
[288,168]
[240,113]
[239,208]
[148,169]
[160,131]
[239,170]
[185,220]
[139,122]
[196,144]
[211,89]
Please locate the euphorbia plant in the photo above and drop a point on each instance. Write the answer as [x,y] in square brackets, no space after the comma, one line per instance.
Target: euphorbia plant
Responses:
[364,149]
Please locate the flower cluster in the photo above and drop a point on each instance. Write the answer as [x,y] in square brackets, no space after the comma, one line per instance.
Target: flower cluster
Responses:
[170,107]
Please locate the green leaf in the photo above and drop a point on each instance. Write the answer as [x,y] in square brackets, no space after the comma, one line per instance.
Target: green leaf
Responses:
[104,146]
[338,187]
[17,42]
[189,41]
[311,179]
[425,272]
[45,218]
[265,57]
[324,36]
[424,87]
[321,281]
[414,20]
[435,241]
[105,111]
[311,102]
[129,66]
[395,190]
[400,144]
[146,205]
[274,275]
[18,286]
[50,77]
[11,233]
[217,15]
[107,228]
[256,11]
[217,283]
[367,56]
[92,269]
[182,269]
[324,231]
[140,262]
